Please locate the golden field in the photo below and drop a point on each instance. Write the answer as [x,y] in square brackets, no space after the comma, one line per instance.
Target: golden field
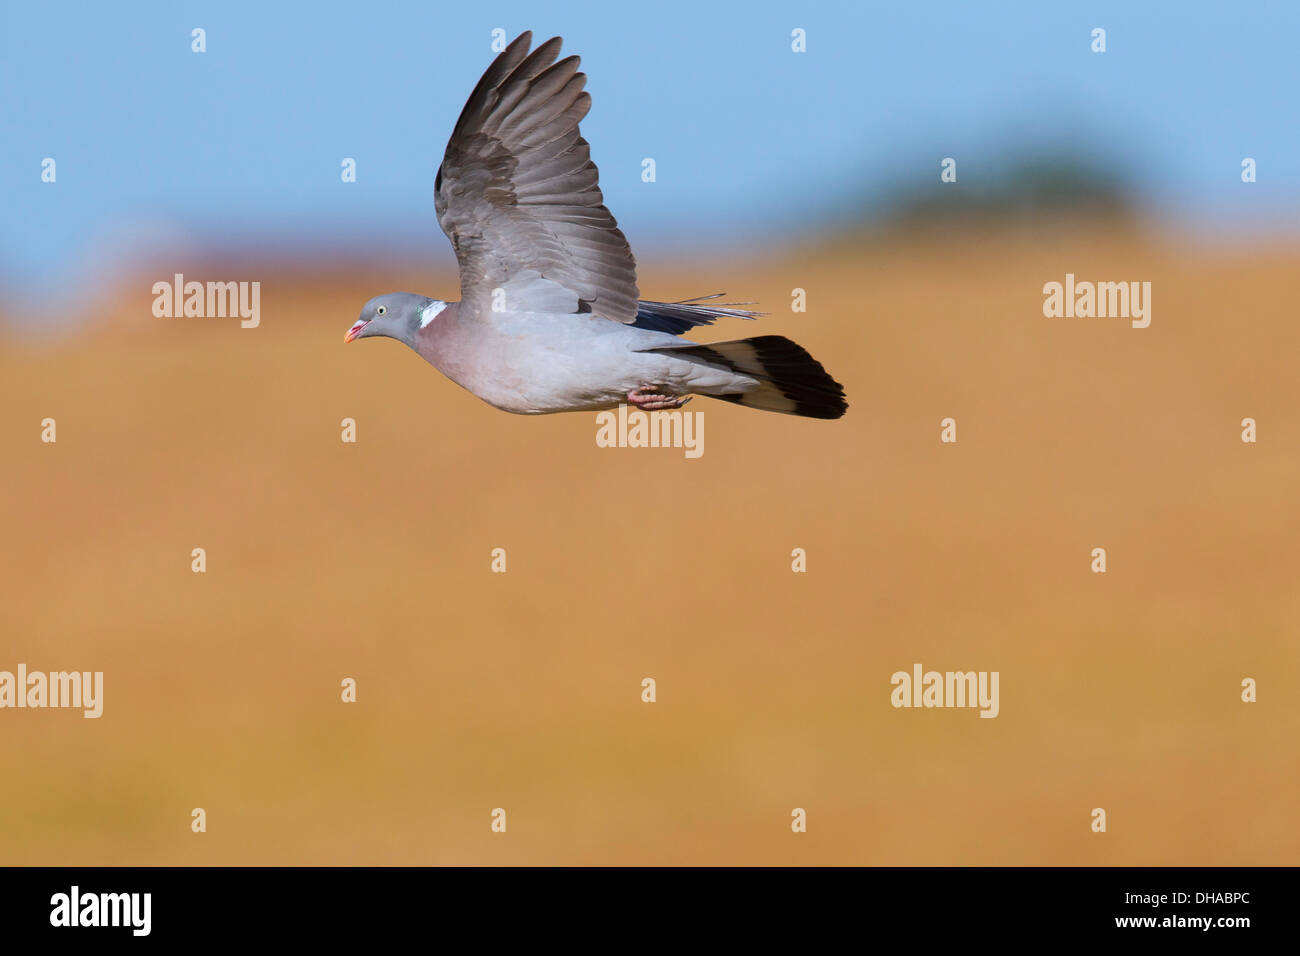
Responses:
[522,690]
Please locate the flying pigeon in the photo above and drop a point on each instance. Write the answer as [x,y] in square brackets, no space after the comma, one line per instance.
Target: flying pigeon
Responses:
[550,318]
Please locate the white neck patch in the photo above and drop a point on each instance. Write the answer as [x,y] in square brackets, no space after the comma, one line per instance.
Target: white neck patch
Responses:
[430,311]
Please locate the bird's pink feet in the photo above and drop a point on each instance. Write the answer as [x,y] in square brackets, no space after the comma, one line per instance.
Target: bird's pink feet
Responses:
[648,398]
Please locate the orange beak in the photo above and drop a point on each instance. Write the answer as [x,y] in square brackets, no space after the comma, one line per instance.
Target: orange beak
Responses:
[353,332]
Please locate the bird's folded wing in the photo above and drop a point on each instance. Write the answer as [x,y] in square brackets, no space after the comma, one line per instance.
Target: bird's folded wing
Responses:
[517,193]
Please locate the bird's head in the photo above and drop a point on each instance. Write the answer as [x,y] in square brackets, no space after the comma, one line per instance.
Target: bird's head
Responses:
[397,315]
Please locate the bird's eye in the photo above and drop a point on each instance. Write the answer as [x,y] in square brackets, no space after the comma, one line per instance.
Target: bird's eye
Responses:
[381,310]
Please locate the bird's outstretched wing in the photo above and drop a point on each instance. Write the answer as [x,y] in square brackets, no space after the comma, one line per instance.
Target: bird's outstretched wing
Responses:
[517,194]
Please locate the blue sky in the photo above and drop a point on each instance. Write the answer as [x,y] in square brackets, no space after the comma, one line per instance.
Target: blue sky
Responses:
[240,147]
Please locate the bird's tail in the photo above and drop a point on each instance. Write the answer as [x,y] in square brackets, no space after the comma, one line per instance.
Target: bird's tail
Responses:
[792,381]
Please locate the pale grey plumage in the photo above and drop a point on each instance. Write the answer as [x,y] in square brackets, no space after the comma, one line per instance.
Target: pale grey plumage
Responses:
[518,194]
[549,318]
